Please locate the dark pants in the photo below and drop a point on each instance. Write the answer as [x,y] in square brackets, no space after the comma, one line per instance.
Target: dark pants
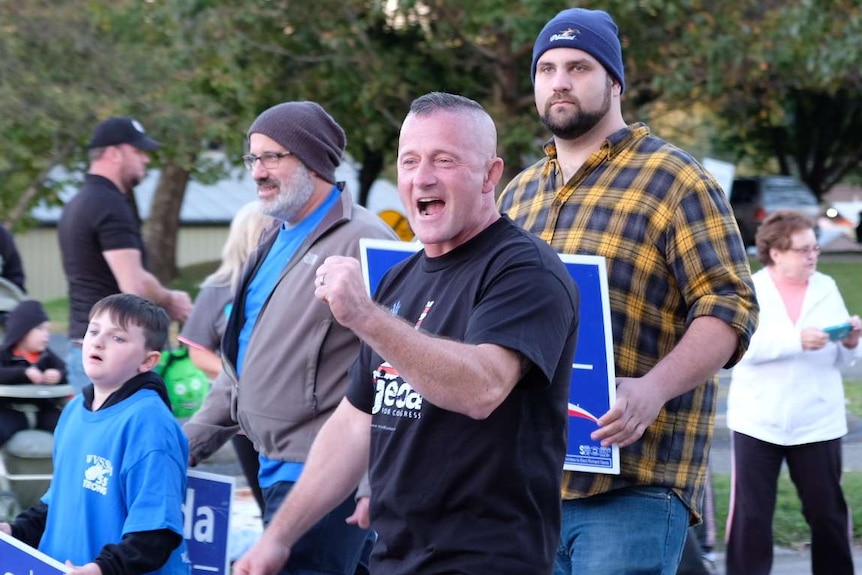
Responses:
[815,469]
[13,420]
[700,539]
[249,461]
[330,547]
[692,556]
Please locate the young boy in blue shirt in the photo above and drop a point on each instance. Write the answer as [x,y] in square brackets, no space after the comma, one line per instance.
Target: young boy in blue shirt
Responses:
[120,458]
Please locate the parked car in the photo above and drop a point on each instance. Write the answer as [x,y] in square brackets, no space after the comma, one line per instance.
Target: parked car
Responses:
[755,198]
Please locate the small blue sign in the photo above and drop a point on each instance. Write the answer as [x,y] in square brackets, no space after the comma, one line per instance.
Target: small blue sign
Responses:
[593,387]
[206,522]
[17,558]
[379,256]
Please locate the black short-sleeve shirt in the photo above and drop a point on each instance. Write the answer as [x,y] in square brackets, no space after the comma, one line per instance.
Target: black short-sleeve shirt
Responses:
[98,219]
[451,494]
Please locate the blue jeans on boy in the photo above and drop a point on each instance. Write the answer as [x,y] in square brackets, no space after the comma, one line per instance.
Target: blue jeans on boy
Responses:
[637,529]
[331,546]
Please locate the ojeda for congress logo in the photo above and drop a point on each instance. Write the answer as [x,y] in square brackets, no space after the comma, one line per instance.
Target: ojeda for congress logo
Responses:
[395,397]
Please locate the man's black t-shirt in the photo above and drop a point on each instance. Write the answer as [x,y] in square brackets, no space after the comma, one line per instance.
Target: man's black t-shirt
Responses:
[99,218]
[451,494]
[11,267]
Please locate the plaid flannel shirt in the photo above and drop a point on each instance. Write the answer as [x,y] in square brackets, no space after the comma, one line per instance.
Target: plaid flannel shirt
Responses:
[673,253]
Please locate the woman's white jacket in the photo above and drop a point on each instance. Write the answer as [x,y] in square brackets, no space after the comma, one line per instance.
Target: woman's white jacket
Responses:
[778,392]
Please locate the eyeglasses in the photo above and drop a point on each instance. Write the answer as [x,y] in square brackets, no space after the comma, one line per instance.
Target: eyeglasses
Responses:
[269,160]
[805,250]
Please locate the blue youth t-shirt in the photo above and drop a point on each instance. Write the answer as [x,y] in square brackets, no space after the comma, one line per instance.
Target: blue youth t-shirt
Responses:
[118,470]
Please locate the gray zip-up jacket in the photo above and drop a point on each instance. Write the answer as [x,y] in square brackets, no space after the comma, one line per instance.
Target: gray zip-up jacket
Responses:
[295,370]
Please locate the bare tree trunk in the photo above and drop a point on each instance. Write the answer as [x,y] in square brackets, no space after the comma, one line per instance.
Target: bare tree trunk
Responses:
[162,227]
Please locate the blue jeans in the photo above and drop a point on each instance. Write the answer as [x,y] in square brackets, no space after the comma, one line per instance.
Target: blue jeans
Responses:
[75,375]
[330,547]
[632,530]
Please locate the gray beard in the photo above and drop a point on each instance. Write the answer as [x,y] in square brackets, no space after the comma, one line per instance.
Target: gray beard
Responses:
[292,197]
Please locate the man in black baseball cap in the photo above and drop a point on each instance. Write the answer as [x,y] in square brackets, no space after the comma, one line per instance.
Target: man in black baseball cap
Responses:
[100,235]
[118,130]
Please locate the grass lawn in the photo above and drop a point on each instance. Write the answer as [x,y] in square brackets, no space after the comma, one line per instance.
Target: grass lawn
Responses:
[788,526]
[848,275]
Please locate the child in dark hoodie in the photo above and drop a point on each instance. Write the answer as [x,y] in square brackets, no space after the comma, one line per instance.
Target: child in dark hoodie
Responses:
[26,359]
[120,458]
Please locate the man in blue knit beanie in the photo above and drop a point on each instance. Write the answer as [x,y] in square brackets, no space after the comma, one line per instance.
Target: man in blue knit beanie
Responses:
[592,31]
[681,298]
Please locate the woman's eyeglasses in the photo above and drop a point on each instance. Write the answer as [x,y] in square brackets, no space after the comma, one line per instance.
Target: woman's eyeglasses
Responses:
[805,250]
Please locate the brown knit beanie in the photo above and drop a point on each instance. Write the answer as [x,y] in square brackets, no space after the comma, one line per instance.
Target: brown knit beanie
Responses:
[308,132]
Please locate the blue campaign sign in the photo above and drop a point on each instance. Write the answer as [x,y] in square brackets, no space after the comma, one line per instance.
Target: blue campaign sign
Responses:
[17,558]
[378,256]
[593,386]
[206,521]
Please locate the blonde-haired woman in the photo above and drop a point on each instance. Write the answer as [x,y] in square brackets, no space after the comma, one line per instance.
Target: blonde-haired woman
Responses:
[203,331]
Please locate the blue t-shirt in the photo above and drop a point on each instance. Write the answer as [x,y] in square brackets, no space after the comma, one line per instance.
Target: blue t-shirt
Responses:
[259,288]
[261,285]
[118,470]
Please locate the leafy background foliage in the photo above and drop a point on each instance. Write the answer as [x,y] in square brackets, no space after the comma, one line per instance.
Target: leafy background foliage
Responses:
[769,85]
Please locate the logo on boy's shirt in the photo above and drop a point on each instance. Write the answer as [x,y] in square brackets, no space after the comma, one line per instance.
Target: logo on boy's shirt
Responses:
[99,471]
[394,396]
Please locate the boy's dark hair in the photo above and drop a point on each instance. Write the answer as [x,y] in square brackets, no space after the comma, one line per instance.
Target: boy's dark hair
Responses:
[126,308]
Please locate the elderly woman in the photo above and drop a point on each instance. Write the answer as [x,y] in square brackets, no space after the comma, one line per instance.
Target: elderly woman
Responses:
[786,403]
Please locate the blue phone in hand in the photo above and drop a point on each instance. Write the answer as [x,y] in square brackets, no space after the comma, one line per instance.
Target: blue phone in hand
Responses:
[838,332]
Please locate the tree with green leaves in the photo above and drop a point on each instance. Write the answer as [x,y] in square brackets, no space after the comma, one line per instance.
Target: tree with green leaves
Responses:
[783,82]
[64,67]
[52,79]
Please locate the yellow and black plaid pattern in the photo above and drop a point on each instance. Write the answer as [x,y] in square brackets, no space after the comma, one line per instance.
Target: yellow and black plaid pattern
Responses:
[673,254]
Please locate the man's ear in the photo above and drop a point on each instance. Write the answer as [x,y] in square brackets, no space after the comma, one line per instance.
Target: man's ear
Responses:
[151,360]
[493,175]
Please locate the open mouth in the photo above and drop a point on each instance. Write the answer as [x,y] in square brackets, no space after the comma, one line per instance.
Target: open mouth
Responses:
[267,188]
[430,206]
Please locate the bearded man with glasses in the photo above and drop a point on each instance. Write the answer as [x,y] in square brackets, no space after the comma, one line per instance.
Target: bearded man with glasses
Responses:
[285,359]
